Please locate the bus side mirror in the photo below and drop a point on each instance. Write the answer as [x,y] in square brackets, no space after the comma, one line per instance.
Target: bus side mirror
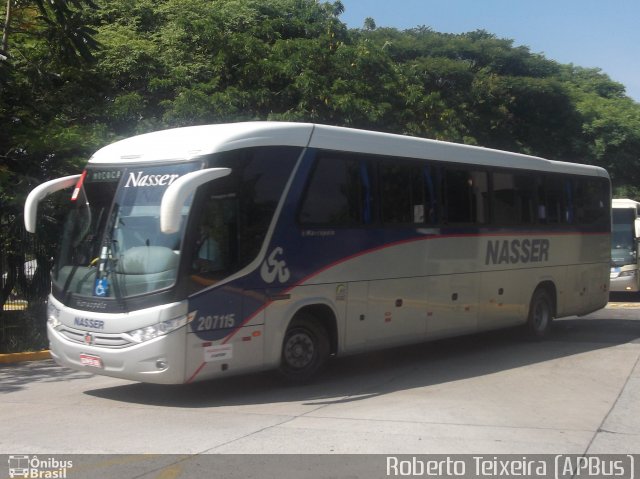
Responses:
[39,193]
[636,224]
[177,193]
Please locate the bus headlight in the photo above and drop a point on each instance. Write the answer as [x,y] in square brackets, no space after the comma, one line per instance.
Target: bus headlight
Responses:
[627,273]
[53,315]
[147,333]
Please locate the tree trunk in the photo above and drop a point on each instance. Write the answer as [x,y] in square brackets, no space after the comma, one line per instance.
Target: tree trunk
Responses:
[4,49]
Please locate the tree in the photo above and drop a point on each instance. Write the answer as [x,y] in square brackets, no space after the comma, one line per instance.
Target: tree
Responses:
[47,50]
[369,24]
[57,21]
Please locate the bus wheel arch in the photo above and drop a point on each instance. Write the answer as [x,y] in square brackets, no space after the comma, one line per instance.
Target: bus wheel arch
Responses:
[310,338]
[542,310]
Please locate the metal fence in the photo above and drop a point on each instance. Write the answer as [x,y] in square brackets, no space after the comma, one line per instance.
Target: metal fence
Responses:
[24,286]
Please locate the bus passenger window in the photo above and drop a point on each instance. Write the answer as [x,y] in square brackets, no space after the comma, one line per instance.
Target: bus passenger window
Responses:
[592,201]
[402,190]
[569,212]
[216,242]
[555,202]
[431,176]
[338,194]
[466,194]
[514,199]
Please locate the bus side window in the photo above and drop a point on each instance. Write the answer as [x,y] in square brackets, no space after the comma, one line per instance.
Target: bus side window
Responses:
[402,192]
[569,212]
[216,241]
[514,198]
[237,210]
[466,196]
[592,201]
[338,194]
[553,198]
[432,181]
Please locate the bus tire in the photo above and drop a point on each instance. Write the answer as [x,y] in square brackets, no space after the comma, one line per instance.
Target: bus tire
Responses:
[540,314]
[305,349]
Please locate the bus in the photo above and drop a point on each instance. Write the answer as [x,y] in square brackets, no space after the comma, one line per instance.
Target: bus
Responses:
[206,251]
[624,245]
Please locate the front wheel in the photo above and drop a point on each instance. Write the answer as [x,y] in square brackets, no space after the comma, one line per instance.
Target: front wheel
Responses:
[305,350]
[540,314]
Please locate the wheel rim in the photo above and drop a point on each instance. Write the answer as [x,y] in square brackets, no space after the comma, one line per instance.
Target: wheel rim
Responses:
[540,315]
[299,350]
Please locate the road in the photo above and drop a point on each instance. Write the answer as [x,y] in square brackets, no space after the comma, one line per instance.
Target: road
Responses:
[578,392]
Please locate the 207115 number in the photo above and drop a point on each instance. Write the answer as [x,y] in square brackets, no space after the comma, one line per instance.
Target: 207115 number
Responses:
[222,321]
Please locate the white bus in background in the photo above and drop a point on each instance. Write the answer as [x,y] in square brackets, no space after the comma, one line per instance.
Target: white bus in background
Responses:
[208,251]
[624,245]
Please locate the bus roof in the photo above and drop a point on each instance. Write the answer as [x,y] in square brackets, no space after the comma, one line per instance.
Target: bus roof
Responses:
[624,203]
[182,144]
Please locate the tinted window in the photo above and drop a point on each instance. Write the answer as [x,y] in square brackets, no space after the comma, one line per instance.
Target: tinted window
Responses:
[339,192]
[514,198]
[402,187]
[466,194]
[235,211]
[592,200]
[557,201]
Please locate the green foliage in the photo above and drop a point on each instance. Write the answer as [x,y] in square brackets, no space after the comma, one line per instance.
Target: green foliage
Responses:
[130,66]
[42,136]
[48,92]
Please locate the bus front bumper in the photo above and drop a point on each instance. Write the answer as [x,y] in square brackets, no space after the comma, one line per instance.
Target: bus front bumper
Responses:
[622,280]
[160,360]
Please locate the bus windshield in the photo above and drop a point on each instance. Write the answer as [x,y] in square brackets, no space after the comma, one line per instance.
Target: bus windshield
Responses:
[111,244]
[622,238]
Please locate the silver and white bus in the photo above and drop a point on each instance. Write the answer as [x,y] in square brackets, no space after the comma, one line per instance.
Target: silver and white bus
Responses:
[624,245]
[207,251]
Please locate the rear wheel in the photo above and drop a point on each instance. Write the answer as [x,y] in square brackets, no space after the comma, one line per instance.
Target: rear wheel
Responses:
[540,314]
[305,349]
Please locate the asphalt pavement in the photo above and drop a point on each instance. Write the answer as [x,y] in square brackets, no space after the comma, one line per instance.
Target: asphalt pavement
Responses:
[577,392]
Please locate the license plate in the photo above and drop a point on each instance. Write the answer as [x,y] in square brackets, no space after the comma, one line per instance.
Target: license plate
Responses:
[89,360]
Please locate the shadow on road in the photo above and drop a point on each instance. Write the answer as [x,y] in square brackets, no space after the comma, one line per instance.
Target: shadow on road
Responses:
[366,375]
[14,377]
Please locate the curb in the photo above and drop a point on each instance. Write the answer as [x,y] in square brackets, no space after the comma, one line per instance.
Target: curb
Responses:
[623,305]
[21,357]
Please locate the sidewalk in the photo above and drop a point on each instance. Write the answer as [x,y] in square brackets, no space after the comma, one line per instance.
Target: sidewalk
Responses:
[21,357]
